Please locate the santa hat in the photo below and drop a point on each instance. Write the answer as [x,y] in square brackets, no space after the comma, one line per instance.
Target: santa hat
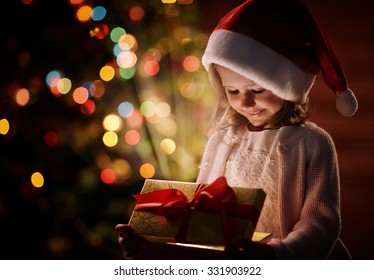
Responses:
[279,45]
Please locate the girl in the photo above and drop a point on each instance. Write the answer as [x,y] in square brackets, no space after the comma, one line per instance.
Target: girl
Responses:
[262,60]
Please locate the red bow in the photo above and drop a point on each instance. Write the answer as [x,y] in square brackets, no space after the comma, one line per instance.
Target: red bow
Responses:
[217,198]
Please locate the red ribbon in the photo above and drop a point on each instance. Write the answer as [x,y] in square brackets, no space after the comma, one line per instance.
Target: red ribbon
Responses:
[217,198]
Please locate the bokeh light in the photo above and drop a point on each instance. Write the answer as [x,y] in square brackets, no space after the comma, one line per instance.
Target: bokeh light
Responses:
[110,138]
[112,123]
[100,31]
[163,109]
[125,109]
[37,180]
[107,73]
[51,138]
[135,120]
[167,146]
[191,63]
[64,85]
[88,107]
[83,13]
[147,170]
[4,126]
[127,73]
[117,33]
[132,137]
[136,13]
[126,59]
[97,89]
[22,97]
[80,95]
[98,13]
[151,68]
[108,176]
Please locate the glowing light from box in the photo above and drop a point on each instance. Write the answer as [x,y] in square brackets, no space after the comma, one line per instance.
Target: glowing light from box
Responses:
[100,31]
[132,137]
[98,13]
[117,33]
[4,126]
[151,68]
[167,146]
[107,73]
[22,97]
[64,85]
[112,122]
[37,180]
[191,63]
[50,138]
[88,107]
[80,95]
[163,110]
[147,170]
[83,13]
[108,176]
[136,13]
[110,138]
[125,109]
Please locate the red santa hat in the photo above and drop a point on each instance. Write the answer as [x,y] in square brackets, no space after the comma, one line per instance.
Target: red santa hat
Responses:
[279,45]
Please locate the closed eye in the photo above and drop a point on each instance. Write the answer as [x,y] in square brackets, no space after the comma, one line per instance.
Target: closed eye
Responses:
[231,91]
[257,91]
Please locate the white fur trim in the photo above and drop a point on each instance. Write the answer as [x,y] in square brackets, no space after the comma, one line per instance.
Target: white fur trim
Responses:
[346,103]
[259,63]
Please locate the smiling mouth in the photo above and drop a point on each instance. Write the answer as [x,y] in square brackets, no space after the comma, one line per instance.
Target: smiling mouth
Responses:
[255,114]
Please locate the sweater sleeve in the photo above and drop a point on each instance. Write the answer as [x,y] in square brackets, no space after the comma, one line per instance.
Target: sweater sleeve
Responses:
[310,207]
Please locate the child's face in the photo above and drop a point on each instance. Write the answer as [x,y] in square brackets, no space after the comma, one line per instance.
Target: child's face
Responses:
[249,99]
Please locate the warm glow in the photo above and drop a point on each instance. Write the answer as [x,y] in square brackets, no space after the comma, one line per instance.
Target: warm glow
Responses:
[80,95]
[22,97]
[97,89]
[108,176]
[4,126]
[84,13]
[50,138]
[151,68]
[147,170]
[132,137]
[110,139]
[163,109]
[191,63]
[167,146]
[136,13]
[64,85]
[88,107]
[107,73]
[112,123]
[37,180]
[126,59]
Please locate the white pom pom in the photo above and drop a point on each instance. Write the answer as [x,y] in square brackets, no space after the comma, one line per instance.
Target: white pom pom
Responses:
[346,103]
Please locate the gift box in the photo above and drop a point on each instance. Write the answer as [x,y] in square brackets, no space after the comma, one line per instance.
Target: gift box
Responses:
[197,215]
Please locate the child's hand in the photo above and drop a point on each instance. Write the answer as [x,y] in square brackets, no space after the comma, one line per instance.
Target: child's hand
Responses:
[245,249]
[132,244]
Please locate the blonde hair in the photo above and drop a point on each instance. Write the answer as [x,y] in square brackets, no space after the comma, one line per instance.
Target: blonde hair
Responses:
[223,115]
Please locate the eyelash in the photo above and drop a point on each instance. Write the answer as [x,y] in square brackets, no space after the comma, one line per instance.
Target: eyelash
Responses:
[254,91]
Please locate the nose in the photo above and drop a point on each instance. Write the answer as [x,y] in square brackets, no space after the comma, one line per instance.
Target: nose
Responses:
[247,99]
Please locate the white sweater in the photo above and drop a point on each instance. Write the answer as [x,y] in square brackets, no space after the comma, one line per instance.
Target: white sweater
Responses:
[308,184]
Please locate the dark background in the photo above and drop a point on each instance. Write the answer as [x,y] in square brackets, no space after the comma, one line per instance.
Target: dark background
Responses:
[66,222]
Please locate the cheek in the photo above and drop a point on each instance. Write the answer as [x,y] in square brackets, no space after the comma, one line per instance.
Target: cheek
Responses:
[274,103]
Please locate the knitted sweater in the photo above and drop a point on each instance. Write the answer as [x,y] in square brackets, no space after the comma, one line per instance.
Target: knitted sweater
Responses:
[308,188]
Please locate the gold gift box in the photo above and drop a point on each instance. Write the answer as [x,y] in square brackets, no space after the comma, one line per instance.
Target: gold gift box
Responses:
[204,229]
